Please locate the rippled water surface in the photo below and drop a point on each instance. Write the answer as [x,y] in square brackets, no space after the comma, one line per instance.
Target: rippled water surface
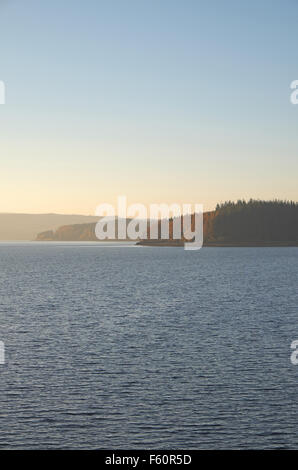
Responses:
[129,347]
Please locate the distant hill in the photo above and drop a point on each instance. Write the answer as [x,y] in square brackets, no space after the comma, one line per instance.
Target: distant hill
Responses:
[241,223]
[26,226]
[254,221]
[75,232]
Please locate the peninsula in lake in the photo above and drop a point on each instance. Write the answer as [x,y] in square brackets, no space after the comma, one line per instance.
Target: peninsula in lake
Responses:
[241,223]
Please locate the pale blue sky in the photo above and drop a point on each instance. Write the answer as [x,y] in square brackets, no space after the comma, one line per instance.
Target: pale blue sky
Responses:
[161,100]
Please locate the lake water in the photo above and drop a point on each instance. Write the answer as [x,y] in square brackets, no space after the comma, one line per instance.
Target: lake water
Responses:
[134,347]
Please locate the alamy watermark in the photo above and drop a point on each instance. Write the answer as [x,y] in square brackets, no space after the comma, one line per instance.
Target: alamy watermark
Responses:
[294,355]
[294,94]
[163,222]
[2,92]
[2,353]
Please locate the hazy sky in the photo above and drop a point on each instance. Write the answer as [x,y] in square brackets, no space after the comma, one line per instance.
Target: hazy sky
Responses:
[161,100]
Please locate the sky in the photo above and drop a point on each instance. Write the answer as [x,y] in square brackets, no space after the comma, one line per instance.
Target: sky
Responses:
[159,100]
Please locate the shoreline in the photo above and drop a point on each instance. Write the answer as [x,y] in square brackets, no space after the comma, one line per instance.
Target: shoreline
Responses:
[272,244]
[160,243]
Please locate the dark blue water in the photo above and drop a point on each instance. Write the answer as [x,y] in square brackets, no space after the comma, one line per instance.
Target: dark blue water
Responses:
[113,347]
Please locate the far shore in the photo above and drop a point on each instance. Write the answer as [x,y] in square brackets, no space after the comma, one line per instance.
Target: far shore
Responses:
[161,243]
[218,244]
